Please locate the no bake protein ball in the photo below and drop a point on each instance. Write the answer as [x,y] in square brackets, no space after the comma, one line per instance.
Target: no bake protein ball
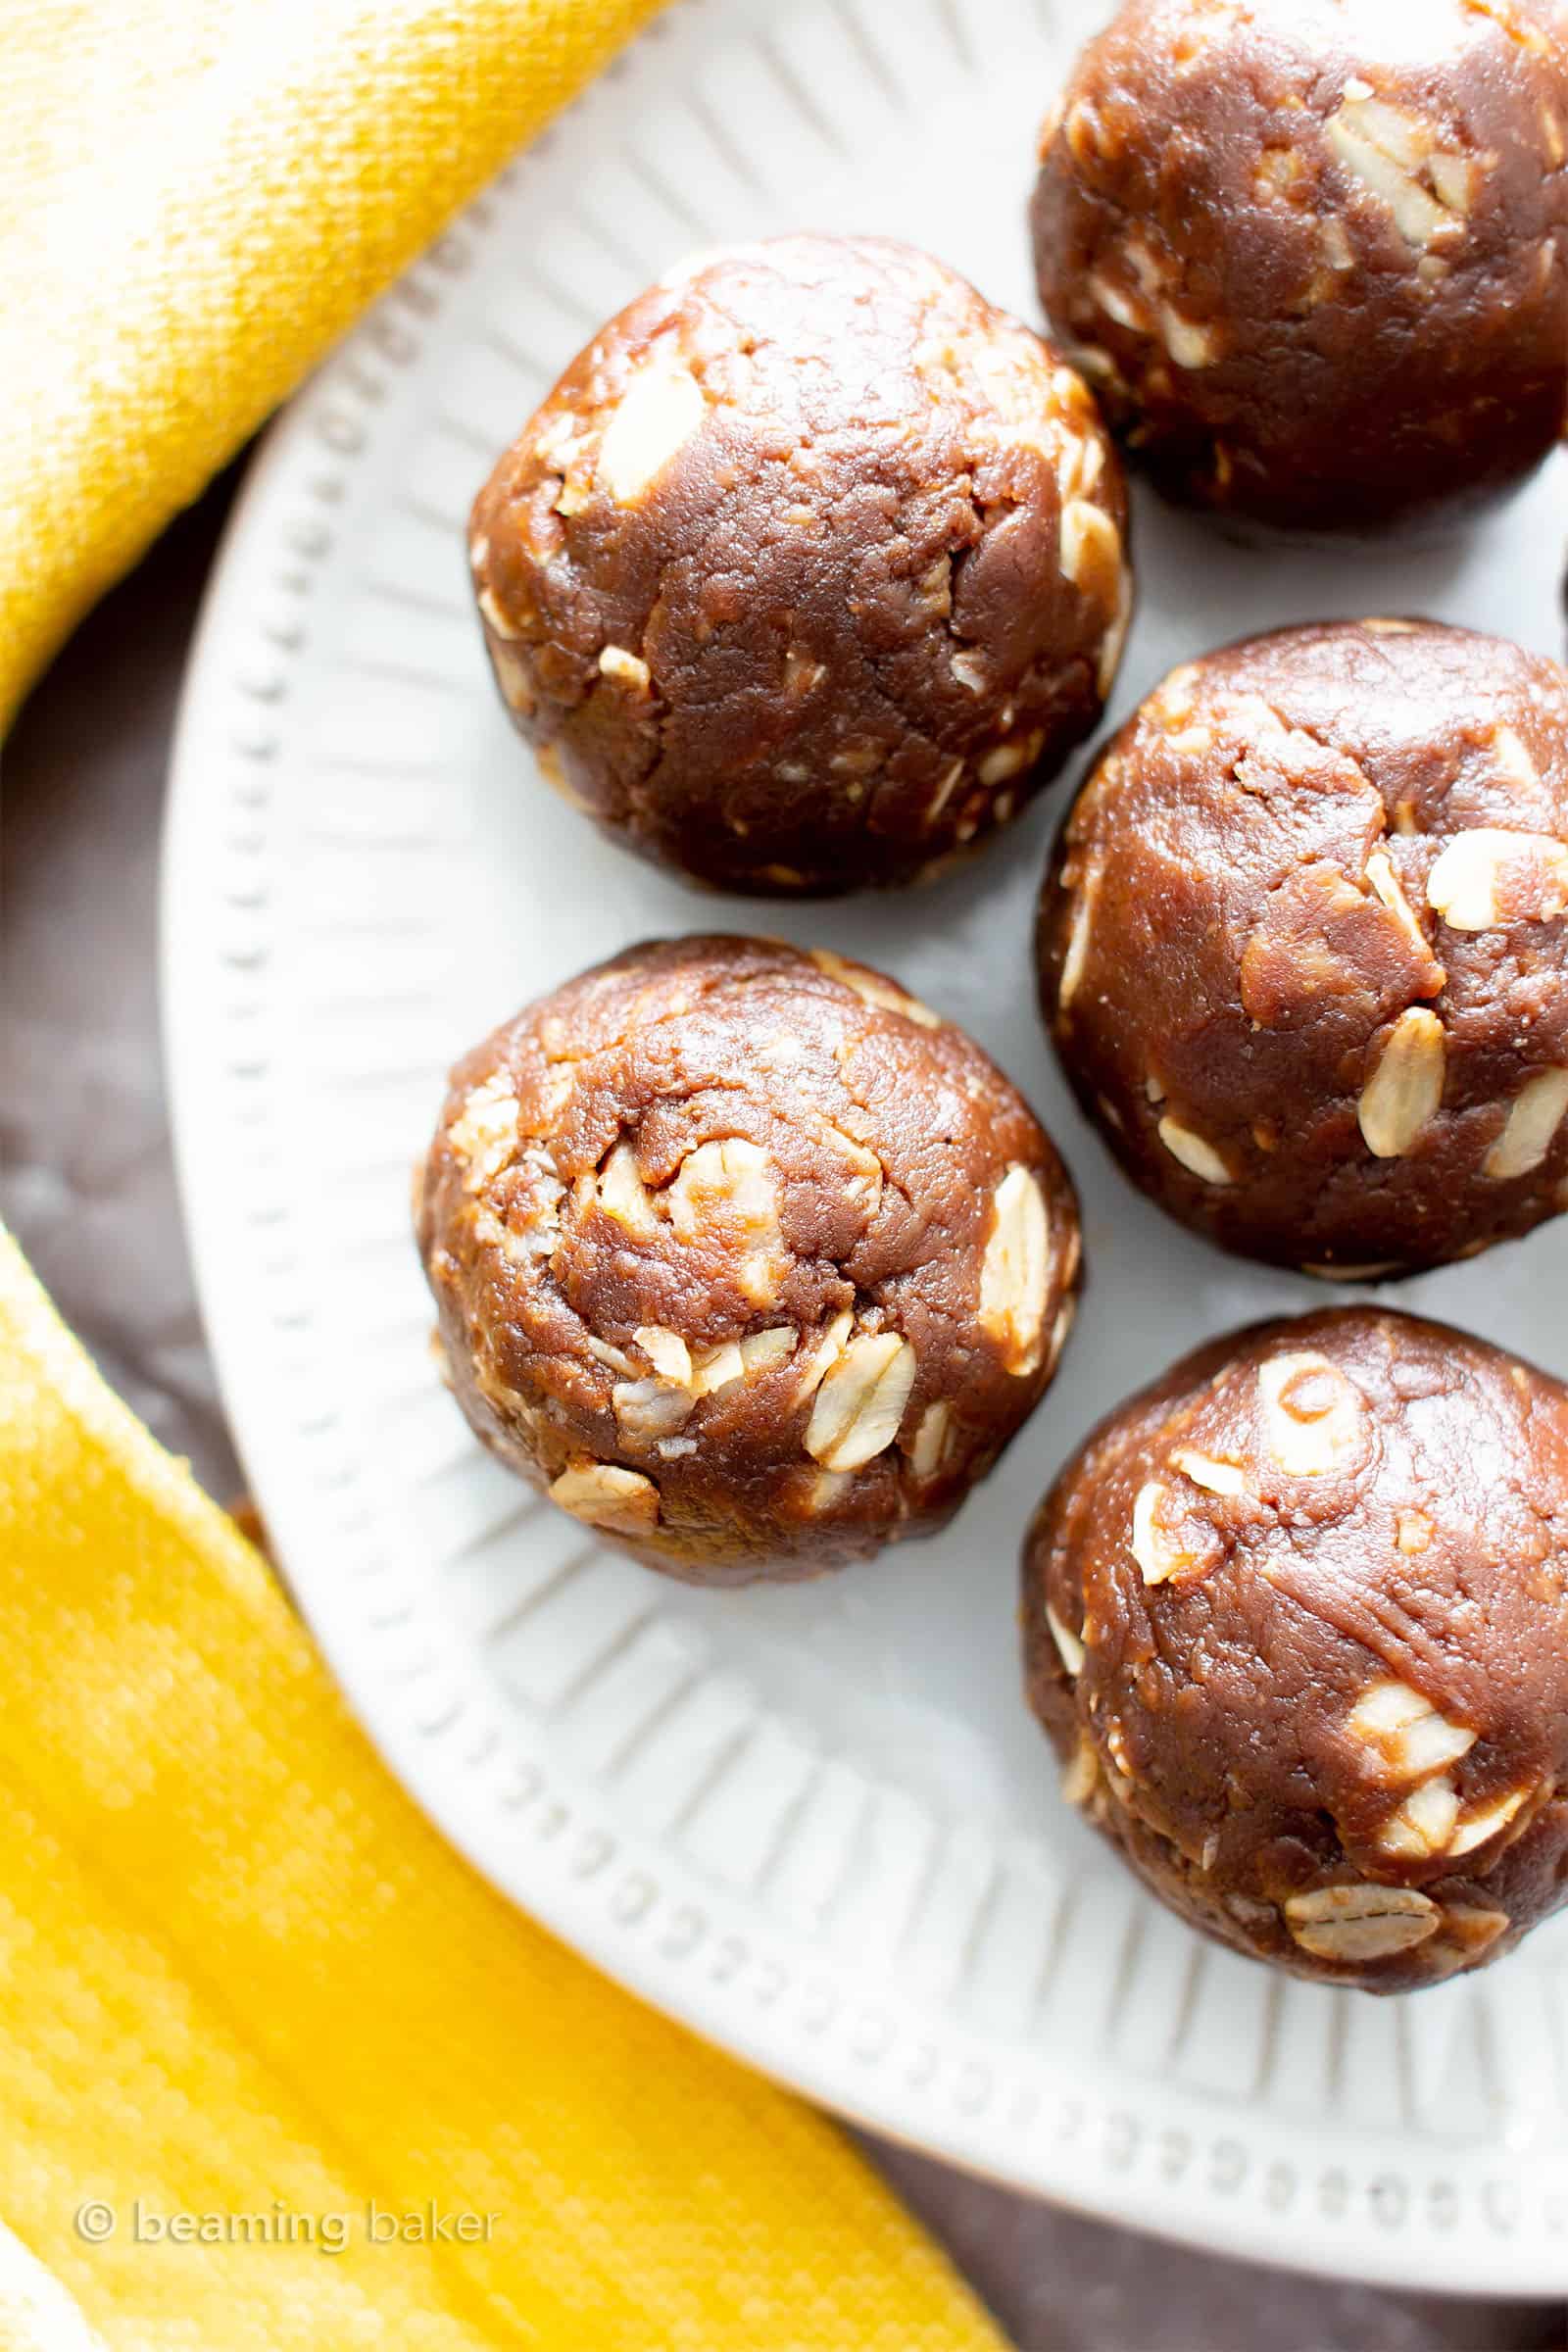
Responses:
[1295,1620]
[1315,253]
[1304,946]
[745,1257]
[809,572]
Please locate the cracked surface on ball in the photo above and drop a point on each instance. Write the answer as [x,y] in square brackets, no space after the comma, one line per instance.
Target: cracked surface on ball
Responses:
[746,1258]
[1295,1620]
[809,572]
[1313,253]
[1304,947]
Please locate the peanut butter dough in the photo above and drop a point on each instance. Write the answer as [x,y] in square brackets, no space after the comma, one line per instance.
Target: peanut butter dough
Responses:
[1304,947]
[745,1257]
[1295,1620]
[1313,253]
[809,572]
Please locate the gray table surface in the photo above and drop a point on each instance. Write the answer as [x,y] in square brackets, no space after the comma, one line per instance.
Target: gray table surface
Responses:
[87,1188]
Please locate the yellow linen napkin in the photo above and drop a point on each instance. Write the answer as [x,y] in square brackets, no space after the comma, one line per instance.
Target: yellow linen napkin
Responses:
[196,198]
[241,1976]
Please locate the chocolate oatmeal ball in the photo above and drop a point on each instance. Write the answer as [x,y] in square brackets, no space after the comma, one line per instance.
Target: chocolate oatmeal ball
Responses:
[744,1256]
[1295,1620]
[1303,946]
[811,569]
[1315,253]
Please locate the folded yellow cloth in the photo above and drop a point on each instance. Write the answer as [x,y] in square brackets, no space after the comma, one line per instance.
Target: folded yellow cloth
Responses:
[240,1975]
[196,197]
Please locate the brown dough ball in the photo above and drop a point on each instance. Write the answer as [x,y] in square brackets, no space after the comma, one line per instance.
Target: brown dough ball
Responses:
[745,1257]
[1315,253]
[1297,1622]
[811,569]
[1303,948]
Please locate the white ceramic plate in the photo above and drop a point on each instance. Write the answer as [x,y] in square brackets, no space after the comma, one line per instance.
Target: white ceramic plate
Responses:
[816,1823]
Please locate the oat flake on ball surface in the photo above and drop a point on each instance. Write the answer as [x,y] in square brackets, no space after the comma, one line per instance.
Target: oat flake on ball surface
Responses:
[809,572]
[747,1260]
[1295,1620]
[1313,253]
[1303,946]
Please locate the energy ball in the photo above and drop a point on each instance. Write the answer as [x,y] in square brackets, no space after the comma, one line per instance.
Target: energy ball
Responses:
[1303,951]
[1295,1620]
[810,570]
[745,1257]
[1315,253]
